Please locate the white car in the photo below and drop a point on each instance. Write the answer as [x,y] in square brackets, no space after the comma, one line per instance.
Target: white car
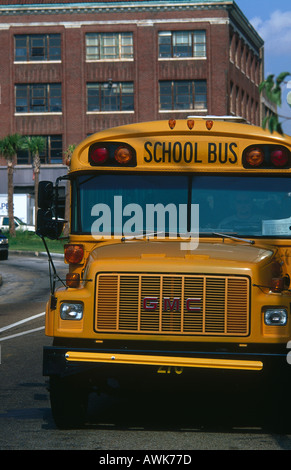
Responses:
[19,225]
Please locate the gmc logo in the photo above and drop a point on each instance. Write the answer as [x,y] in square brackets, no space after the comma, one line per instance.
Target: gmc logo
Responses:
[152,303]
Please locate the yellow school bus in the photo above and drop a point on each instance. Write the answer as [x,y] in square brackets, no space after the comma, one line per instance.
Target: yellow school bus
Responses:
[178,259]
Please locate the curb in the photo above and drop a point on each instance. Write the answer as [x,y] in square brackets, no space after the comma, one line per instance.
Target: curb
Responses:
[36,253]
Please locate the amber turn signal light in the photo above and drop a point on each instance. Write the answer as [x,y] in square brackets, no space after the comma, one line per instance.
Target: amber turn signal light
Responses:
[123,155]
[73,280]
[255,156]
[277,284]
[74,253]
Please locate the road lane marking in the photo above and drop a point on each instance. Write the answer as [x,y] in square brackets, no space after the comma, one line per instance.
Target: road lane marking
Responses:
[12,325]
[23,333]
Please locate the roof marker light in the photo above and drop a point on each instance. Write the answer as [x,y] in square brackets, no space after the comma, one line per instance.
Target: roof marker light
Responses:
[172,123]
[209,125]
[190,124]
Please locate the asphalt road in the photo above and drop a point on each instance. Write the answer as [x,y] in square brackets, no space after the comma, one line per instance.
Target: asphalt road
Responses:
[228,420]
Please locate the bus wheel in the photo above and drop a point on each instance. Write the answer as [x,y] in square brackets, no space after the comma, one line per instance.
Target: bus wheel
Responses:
[68,403]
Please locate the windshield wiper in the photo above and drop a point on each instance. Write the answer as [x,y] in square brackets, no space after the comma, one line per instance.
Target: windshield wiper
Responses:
[217,234]
[232,237]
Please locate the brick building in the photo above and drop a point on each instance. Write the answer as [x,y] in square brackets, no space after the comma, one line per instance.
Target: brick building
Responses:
[69,69]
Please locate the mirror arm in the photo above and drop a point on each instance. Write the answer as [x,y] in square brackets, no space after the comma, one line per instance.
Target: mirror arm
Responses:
[53,276]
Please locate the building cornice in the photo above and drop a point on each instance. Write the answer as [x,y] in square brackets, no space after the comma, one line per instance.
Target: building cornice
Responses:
[112,6]
[241,23]
[237,18]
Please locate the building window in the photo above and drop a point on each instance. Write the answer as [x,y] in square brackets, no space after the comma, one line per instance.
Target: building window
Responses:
[53,152]
[38,98]
[183,94]
[109,46]
[110,96]
[231,99]
[182,44]
[37,47]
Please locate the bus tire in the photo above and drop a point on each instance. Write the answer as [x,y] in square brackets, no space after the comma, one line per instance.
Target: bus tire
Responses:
[68,403]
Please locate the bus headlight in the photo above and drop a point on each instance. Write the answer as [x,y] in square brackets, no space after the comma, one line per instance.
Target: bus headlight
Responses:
[71,311]
[275,316]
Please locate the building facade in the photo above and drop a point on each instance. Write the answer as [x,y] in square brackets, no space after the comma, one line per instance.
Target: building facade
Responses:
[69,69]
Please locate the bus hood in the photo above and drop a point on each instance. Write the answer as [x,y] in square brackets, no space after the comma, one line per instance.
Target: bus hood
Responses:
[168,256]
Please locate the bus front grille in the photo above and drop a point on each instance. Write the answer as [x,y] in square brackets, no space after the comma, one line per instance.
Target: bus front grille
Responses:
[172,304]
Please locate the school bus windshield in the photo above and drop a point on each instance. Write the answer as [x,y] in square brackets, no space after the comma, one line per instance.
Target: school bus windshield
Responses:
[255,206]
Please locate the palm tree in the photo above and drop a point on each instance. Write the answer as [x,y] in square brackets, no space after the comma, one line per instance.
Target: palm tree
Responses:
[9,146]
[35,145]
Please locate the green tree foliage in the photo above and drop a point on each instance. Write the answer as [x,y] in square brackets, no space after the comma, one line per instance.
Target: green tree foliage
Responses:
[35,145]
[273,91]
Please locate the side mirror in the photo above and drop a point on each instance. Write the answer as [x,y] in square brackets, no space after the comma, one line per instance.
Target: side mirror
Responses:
[47,225]
[45,195]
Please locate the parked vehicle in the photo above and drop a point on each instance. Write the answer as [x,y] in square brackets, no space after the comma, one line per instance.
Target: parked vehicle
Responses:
[3,246]
[23,206]
[19,225]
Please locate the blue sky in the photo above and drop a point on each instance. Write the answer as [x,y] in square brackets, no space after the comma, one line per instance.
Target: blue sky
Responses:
[272,20]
